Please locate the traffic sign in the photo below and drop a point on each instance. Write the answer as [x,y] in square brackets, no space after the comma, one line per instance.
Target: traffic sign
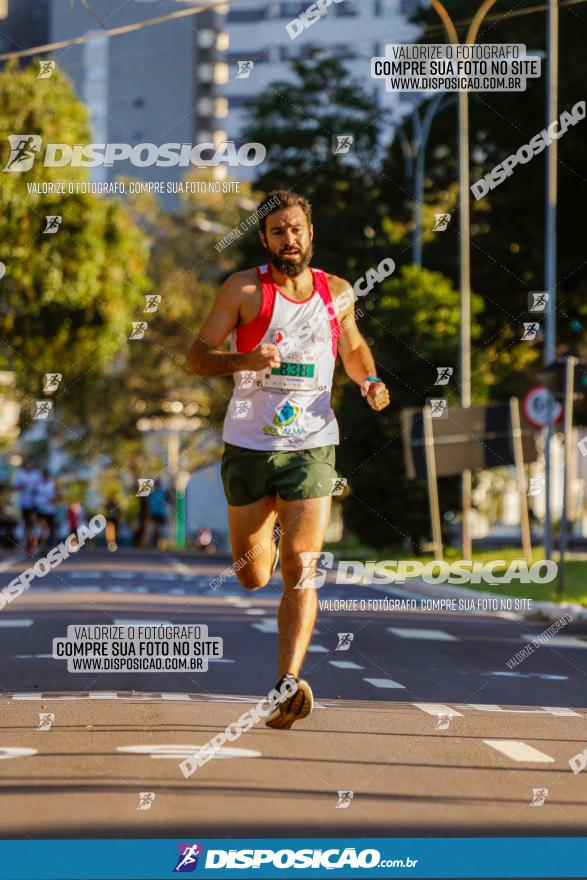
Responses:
[536,404]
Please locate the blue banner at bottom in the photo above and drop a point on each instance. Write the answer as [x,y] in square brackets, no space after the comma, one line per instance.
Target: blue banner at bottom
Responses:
[277,858]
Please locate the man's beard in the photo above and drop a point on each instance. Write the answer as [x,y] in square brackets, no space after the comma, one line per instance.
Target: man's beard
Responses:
[290,267]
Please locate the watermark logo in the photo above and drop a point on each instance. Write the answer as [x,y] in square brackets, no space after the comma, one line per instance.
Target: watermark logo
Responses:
[582,446]
[308,17]
[535,486]
[441,222]
[578,762]
[537,300]
[2,270]
[138,329]
[443,375]
[42,410]
[46,720]
[539,796]
[46,69]
[345,641]
[241,409]
[52,223]
[51,382]
[146,485]
[187,860]
[339,486]
[23,151]
[247,379]
[152,302]
[539,640]
[245,68]
[342,144]
[438,407]
[531,331]
[443,720]
[146,799]
[313,575]
[344,800]
[525,153]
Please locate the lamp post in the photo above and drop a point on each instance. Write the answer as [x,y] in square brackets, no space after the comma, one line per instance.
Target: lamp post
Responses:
[464,247]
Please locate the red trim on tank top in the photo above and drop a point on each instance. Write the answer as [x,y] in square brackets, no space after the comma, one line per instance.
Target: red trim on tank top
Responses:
[249,335]
[323,289]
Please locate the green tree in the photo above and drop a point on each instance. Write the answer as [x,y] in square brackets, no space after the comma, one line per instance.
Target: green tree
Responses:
[67,299]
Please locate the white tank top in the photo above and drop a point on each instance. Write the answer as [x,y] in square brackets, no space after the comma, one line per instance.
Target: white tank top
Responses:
[286,408]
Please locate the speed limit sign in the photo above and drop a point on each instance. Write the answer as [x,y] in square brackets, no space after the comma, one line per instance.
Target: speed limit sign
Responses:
[536,405]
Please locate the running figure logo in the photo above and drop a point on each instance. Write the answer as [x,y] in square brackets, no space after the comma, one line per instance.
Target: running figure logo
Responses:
[146,799]
[46,719]
[443,720]
[441,222]
[438,408]
[23,149]
[244,69]
[539,795]
[42,410]
[536,486]
[51,382]
[444,374]
[152,301]
[47,68]
[531,329]
[145,486]
[344,799]
[187,860]
[342,143]
[138,329]
[52,223]
[537,300]
[313,576]
[344,641]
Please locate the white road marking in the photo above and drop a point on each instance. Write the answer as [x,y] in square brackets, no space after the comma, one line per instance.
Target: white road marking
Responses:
[518,751]
[405,632]
[539,710]
[318,649]
[437,709]
[122,575]
[87,575]
[542,675]
[159,577]
[166,750]
[12,752]
[345,664]
[384,683]
[559,642]
[33,656]
[254,611]
[269,625]
[16,621]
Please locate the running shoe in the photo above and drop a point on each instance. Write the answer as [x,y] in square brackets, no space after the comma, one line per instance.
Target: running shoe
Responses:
[296,707]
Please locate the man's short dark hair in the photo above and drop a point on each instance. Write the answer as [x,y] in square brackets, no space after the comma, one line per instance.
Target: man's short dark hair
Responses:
[282,198]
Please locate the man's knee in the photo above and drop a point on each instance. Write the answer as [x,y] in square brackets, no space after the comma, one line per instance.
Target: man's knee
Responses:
[253,578]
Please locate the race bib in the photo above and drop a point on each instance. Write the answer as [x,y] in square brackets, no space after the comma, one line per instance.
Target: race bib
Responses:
[291,376]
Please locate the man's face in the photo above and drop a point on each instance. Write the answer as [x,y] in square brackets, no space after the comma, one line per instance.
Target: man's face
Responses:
[288,240]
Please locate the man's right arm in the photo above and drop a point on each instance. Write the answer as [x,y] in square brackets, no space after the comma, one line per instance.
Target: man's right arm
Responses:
[205,358]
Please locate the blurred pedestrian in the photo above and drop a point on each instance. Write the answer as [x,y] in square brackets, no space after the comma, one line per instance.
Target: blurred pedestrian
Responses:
[112,519]
[47,496]
[75,514]
[27,481]
[158,513]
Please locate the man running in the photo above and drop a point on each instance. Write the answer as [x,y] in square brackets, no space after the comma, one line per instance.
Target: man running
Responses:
[280,431]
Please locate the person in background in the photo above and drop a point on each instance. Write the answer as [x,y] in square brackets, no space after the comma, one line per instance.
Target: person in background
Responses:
[47,496]
[158,513]
[112,518]
[27,481]
[75,514]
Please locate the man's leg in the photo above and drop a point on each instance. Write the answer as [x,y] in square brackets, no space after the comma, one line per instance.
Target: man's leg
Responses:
[303,526]
[251,537]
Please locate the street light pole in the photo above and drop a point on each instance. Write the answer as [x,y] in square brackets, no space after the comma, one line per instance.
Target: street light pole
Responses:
[464,248]
[550,252]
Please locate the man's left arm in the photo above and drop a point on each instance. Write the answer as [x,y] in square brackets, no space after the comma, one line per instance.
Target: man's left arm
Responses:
[355,353]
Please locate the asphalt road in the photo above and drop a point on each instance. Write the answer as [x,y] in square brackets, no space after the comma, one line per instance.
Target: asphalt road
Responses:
[420,717]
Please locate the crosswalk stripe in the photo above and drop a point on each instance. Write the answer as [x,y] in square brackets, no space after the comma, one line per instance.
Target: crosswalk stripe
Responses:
[437,709]
[11,622]
[345,664]
[385,683]
[432,634]
[317,649]
[558,641]
[518,751]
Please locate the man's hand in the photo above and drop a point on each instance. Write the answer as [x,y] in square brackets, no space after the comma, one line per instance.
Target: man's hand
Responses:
[376,393]
[265,355]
